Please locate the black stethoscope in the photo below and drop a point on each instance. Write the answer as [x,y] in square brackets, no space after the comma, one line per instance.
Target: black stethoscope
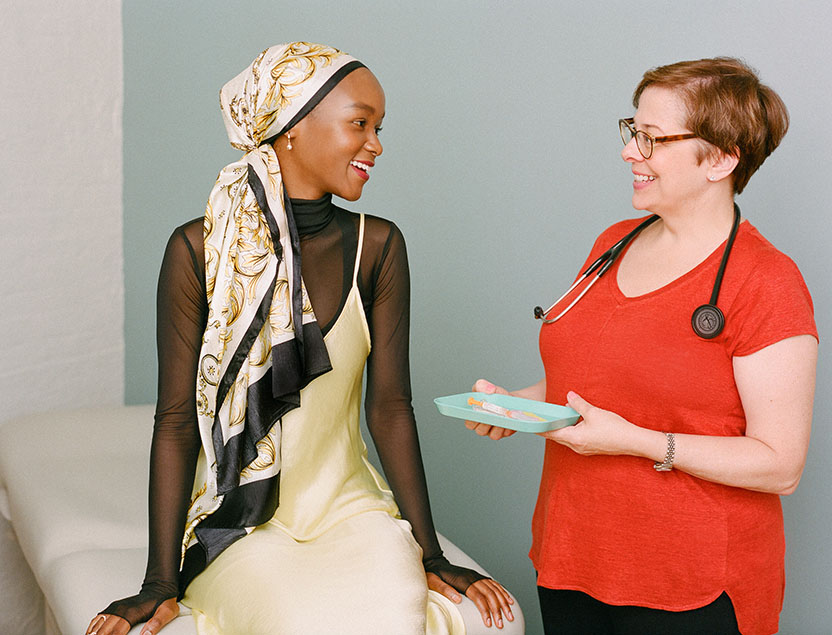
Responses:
[707,320]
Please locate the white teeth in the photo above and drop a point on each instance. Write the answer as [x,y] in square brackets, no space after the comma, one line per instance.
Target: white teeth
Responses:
[644,177]
[360,166]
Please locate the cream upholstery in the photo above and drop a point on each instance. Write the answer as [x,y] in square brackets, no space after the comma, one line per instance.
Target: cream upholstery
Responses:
[74,486]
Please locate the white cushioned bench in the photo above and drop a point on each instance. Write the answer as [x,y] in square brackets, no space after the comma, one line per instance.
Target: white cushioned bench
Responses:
[74,487]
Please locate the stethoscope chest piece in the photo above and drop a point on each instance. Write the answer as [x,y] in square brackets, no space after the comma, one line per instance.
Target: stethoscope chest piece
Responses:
[707,321]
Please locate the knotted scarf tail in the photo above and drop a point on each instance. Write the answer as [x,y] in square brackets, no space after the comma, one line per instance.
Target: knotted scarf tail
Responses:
[247,506]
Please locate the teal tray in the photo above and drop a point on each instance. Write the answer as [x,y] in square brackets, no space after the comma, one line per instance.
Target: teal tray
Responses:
[554,416]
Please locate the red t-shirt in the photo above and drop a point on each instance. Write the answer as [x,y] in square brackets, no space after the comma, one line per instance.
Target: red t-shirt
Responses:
[612,526]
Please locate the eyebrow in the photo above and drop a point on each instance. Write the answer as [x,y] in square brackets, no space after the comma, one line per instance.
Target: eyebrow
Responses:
[653,126]
[360,106]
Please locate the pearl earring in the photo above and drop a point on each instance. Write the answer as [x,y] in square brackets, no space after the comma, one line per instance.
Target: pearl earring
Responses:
[289,139]
[712,179]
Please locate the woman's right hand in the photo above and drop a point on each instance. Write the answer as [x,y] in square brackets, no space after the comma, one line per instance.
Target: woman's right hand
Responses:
[109,624]
[483,429]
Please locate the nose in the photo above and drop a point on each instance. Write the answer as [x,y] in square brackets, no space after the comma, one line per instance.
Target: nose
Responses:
[373,144]
[630,152]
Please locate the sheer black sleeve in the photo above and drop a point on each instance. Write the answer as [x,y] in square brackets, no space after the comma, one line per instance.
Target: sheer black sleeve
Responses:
[181,314]
[388,399]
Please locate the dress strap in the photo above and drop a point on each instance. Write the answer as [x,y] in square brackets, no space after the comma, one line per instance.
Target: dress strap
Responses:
[358,249]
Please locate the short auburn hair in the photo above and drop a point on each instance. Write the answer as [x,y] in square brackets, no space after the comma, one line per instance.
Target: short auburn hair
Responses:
[728,107]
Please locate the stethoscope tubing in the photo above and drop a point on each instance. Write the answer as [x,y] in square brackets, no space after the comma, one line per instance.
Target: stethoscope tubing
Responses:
[726,252]
[707,320]
[601,264]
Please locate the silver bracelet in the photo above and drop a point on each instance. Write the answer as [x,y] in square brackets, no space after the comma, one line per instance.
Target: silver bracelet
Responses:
[667,465]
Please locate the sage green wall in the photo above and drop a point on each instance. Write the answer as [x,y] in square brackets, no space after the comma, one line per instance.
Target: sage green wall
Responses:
[501,165]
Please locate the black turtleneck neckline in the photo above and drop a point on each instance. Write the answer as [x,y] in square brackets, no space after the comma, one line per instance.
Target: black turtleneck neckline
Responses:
[312,216]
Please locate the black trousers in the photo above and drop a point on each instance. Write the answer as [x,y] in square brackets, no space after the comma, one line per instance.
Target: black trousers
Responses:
[576,613]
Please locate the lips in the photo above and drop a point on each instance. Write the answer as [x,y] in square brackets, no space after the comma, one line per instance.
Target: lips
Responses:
[362,169]
[642,181]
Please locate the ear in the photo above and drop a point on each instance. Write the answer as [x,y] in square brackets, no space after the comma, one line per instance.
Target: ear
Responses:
[280,144]
[302,126]
[721,165]
[296,131]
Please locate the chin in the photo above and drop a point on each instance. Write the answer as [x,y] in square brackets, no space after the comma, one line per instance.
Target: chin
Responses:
[639,205]
[350,195]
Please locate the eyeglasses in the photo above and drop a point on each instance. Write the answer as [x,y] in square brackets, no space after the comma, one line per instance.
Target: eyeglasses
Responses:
[645,142]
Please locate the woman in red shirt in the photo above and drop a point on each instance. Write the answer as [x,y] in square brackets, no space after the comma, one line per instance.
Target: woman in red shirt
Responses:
[718,402]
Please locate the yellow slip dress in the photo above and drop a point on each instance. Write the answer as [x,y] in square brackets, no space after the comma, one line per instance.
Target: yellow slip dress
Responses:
[335,558]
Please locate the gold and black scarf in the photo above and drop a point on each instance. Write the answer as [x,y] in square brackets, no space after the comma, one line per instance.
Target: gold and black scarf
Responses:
[262,343]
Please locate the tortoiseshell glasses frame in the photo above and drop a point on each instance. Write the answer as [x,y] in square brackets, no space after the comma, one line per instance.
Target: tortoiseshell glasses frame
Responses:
[645,141]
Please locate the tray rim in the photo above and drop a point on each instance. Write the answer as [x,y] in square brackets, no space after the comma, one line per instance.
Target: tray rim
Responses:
[465,412]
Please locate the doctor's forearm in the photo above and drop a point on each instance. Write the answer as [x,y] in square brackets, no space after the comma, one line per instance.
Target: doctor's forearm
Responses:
[736,461]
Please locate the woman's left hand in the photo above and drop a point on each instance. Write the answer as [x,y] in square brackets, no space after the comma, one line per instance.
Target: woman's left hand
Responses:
[490,597]
[597,432]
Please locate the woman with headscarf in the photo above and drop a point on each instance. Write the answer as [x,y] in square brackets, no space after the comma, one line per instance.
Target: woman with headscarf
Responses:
[265,514]
[659,512]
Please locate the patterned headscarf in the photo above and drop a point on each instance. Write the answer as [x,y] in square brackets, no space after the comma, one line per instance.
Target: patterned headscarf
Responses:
[262,343]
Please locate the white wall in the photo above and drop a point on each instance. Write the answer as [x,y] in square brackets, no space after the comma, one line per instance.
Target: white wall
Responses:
[61,207]
[61,253]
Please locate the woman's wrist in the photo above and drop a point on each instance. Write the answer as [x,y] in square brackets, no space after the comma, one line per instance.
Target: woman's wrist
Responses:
[648,444]
[535,392]
[670,454]
[434,561]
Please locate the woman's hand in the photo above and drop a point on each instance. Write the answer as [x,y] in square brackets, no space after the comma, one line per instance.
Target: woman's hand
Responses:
[597,432]
[492,600]
[104,624]
[483,429]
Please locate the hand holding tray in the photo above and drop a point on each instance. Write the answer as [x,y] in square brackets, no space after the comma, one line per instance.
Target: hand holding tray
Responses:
[551,415]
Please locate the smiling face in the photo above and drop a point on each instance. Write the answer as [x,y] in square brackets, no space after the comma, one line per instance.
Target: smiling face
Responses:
[335,146]
[673,177]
